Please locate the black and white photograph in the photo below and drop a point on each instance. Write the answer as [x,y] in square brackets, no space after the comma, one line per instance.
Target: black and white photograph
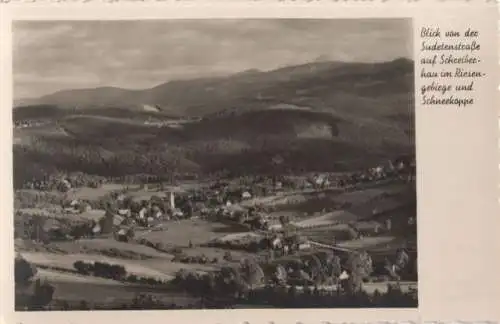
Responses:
[214,164]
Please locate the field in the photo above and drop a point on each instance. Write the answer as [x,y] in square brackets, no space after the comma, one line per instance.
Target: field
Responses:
[108,246]
[179,233]
[73,288]
[86,193]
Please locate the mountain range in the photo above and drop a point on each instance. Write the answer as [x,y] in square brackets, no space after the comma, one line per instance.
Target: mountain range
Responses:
[316,116]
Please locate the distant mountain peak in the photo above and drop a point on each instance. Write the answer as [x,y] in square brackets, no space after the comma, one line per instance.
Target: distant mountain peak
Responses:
[249,71]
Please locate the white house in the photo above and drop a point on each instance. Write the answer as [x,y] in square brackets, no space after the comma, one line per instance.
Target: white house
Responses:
[71,210]
[276,243]
[142,213]
[178,213]
[96,229]
[319,180]
[304,246]
[124,212]
[246,195]
[158,214]
[344,276]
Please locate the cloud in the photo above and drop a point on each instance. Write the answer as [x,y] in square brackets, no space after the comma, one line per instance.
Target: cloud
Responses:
[53,55]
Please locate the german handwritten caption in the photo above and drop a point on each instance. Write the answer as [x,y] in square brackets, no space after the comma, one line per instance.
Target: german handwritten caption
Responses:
[450,66]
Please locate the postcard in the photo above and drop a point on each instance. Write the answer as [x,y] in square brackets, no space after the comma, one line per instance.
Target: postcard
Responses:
[250,162]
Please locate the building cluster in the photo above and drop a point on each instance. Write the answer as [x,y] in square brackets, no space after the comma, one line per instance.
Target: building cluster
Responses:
[401,168]
[29,123]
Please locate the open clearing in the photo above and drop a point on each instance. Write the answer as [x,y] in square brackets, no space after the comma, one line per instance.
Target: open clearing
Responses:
[179,233]
[99,291]
[276,200]
[87,193]
[338,216]
[239,236]
[35,211]
[90,215]
[368,243]
[360,196]
[162,269]
[327,235]
[58,276]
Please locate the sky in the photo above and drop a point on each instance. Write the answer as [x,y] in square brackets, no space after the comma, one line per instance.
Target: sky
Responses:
[49,56]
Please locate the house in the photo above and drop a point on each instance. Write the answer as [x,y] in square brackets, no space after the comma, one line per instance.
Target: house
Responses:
[204,211]
[65,185]
[308,185]
[304,246]
[71,206]
[234,211]
[70,210]
[377,172]
[246,195]
[158,214]
[276,243]
[124,234]
[320,180]
[96,229]
[344,276]
[121,232]
[177,213]
[124,212]
[143,213]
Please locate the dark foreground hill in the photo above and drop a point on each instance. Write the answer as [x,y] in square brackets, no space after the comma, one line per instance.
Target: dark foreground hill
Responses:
[314,117]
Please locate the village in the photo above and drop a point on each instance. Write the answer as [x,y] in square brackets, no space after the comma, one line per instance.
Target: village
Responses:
[207,227]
